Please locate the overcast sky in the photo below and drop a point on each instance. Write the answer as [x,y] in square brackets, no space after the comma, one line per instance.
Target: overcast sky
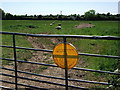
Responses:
[46,7]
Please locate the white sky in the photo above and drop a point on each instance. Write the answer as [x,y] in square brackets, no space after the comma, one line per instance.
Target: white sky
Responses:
[59,0]
[46,7]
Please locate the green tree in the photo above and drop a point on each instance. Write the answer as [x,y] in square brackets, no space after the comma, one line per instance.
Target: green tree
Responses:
[2,14]
[89,15]
[108,14]
[9,16]
[39,17]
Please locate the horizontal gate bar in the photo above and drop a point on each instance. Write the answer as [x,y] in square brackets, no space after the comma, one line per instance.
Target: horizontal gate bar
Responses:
[23,85]
[75,68]
[43,81]
[97,55]
[77,80]
[7,88]
[45,50]
[67,36]
[30,62]
[99,71]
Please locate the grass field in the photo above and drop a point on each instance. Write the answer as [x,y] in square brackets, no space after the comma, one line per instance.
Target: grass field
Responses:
[68,27]
[102,28]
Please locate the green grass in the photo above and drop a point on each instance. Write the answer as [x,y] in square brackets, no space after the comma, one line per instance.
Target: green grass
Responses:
[102,28]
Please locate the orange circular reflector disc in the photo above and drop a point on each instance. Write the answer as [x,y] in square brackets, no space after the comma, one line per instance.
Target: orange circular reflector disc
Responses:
[71,55]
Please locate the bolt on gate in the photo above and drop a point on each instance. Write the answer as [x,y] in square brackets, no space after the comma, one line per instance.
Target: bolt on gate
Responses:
[66,79]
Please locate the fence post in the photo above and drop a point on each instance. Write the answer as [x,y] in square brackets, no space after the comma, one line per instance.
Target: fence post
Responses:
[65,62]
[14,48]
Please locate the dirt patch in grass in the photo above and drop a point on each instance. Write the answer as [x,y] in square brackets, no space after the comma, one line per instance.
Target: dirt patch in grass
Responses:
[85,25]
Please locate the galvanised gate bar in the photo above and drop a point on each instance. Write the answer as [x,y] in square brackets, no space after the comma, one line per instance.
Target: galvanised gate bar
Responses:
[66,85]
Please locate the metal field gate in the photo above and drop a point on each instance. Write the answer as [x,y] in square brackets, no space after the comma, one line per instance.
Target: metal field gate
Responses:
[66,78]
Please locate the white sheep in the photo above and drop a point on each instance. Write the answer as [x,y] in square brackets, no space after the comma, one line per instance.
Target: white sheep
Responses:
[51,24]
[58,27]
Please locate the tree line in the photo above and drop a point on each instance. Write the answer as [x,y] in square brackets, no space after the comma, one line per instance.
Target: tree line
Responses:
[89,15]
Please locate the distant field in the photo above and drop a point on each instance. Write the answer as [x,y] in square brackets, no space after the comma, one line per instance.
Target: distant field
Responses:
[68,27]
[102,28]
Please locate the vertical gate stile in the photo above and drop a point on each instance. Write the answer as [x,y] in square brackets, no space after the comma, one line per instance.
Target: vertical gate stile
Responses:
[65,62]
[15,61]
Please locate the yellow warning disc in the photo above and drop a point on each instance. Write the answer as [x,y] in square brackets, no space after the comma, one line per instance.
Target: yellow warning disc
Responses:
[66,52]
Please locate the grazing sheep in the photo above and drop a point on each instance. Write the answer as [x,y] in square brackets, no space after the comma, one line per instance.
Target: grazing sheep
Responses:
[117,71]
[58,27]
[51,24]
